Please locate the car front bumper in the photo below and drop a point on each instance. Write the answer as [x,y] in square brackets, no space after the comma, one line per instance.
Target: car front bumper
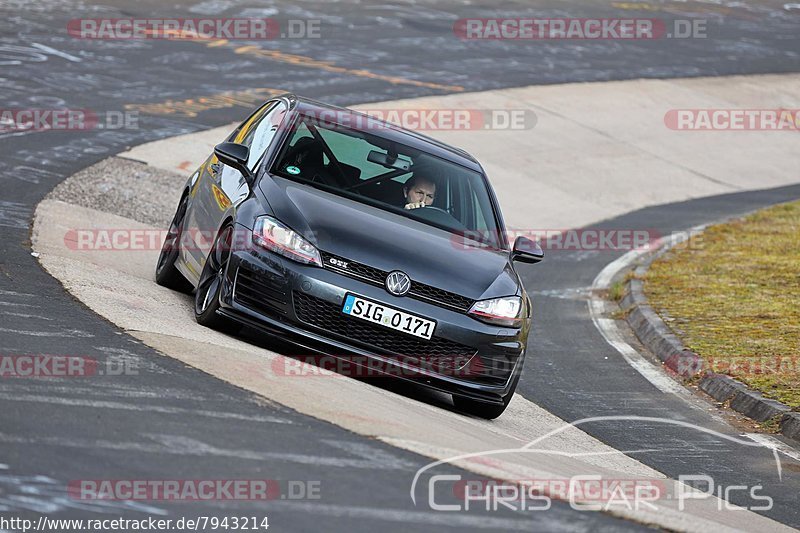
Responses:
[302,304]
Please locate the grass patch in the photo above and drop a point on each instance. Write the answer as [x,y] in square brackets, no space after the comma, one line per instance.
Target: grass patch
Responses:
[617,291]
[733,294]
[773,425]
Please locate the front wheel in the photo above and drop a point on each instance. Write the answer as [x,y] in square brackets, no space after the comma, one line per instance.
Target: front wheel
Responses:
[206,299]
[489,411]
[166,273]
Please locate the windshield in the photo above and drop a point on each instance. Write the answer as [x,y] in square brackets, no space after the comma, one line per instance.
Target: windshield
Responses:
[374,170]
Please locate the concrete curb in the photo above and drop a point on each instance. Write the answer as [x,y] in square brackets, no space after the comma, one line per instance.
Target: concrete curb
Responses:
[660,339]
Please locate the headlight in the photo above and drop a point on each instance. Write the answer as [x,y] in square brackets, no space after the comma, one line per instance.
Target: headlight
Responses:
[499,311]
[274,236]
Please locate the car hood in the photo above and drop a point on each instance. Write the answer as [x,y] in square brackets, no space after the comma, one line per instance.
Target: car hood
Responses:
[388,241]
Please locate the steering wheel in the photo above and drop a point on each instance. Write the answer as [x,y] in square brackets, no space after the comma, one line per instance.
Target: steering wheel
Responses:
[436,209]
[440,216]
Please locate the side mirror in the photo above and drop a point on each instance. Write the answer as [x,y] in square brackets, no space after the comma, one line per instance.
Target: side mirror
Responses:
[235,156]
[526,251]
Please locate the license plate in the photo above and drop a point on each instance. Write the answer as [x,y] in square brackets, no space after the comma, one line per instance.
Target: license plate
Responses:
[388,317]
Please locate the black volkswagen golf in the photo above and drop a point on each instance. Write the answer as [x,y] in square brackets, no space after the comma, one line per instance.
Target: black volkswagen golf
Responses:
[354,238]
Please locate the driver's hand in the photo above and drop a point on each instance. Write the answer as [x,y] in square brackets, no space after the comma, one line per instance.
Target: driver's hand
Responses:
[415,205]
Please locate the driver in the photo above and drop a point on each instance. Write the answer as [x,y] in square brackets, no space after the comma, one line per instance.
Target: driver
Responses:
[419,192]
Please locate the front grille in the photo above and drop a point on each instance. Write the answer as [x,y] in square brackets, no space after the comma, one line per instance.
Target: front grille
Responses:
[440,297]
[261,292]
[441,353]
[419,291]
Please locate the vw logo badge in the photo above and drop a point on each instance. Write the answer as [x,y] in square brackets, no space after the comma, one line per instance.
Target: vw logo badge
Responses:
[398,283]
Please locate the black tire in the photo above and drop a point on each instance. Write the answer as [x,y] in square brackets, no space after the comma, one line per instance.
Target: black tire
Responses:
[166,274]
[206,298]
[489,411]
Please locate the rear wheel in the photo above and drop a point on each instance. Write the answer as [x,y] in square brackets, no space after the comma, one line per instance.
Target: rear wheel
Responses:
[489,411]
[166,273]
[206,299]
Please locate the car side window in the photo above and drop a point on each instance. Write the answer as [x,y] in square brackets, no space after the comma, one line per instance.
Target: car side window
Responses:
[261,132]
[241,131]
[256,133]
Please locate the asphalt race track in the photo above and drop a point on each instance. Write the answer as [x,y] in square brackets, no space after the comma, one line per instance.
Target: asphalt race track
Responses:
[168,420]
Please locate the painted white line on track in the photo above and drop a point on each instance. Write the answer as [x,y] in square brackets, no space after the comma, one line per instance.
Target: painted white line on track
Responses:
[611,333]
[608,327]
[771,442]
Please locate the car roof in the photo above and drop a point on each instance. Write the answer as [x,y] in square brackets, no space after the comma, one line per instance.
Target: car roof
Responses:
[391,131]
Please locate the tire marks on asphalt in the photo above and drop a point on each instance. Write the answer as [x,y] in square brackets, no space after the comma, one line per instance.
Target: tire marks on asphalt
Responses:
[369,458]
[66,333]
[10,306]
[144,408]
[45,495]
[14,214]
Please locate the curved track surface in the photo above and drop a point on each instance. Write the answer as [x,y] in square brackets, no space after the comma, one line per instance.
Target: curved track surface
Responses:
[577,374]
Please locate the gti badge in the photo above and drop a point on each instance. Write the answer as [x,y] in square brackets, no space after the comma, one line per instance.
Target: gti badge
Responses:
[338,262]
[398,283]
